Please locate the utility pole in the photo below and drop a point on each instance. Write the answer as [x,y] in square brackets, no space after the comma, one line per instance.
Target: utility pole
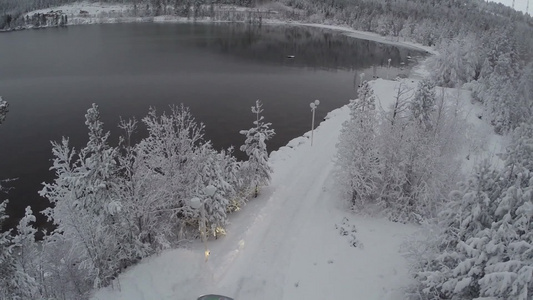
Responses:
[313,105]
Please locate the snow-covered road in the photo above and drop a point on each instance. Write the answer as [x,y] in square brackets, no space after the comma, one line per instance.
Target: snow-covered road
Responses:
[295,241]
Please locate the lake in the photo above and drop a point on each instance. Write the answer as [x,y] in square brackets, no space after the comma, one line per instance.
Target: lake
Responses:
[50,78]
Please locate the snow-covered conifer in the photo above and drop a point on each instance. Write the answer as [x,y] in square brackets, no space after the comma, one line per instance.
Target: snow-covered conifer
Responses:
[458,61]
[231,172]
[257,167]
[7,258]
[485,250]
[211,174]
[15,279]
[423,104]
[357,158]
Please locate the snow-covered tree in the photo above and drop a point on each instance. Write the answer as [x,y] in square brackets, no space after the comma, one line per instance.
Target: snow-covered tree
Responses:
[16,281]
[139,224]
[458,61]
[7,259]
[86,207]
[166,170]
[524,106]
[498,86]
[231,173]
[357,157]
[391,143]
[416,146]
[25,240]
[211,174]
[484,249]
[423,104]
[257,167]
[3,110]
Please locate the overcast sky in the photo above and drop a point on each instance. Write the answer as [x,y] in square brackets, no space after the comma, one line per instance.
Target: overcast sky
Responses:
[518,4]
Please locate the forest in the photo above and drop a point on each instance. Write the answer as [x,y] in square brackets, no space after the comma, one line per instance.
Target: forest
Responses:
[114,206]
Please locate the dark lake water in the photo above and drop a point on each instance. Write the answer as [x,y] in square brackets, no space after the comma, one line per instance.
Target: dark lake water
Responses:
[50,78]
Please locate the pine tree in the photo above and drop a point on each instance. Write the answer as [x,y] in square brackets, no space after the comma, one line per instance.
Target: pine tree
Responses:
[357,157]
[257,166]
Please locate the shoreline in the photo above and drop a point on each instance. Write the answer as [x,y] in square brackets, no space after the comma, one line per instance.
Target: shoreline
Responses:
[101,13]
[418,71]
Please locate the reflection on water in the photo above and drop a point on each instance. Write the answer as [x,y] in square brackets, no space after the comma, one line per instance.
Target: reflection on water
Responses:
[50,77]
[313,48]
